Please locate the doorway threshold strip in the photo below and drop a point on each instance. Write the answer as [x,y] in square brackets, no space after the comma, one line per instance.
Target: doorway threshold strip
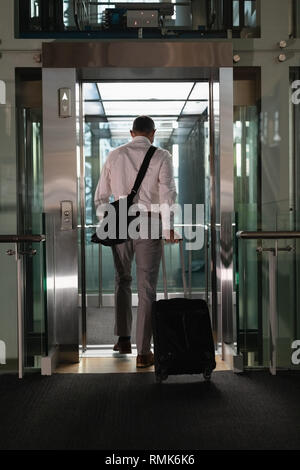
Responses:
[100,350]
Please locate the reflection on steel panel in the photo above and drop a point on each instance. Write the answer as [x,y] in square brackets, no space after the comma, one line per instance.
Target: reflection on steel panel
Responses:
[226,202]
[60,178]
[137,54]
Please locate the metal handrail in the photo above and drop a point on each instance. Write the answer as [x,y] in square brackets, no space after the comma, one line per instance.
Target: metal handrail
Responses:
[22,238]
[268,235]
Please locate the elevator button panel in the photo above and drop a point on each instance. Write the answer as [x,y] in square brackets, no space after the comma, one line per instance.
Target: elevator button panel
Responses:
[65,105]
[66,213]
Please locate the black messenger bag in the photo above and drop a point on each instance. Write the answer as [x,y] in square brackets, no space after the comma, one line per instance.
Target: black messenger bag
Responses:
[121,206]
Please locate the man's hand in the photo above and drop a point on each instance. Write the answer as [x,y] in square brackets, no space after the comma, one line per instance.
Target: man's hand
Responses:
[171,236]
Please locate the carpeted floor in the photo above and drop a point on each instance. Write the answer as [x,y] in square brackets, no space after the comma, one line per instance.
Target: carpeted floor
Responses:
[131,411]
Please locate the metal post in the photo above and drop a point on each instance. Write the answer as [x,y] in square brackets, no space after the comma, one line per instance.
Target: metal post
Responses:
[226,207]
[213,235]
[164,271]
[190,272]
[273,310]
[19,261]
[206,247]
[190,265]
[182,268]
[100,303]
[82,222]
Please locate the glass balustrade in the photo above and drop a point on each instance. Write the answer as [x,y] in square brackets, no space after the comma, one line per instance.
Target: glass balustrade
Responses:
[169,19]
[259,262]
[29,281]
[8,273]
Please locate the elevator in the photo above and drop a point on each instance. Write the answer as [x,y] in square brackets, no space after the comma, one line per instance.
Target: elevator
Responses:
[91,93]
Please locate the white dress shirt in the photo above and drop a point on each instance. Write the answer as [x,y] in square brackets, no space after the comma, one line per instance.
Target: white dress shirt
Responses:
[120,170]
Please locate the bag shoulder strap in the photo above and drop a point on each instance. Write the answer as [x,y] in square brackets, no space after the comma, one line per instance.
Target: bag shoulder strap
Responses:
[143,169]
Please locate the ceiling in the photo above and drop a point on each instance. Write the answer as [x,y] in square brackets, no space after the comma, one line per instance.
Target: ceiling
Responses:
[174,106]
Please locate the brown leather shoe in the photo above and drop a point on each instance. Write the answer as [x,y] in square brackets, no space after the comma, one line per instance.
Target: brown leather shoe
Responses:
[123,347]
[145,360]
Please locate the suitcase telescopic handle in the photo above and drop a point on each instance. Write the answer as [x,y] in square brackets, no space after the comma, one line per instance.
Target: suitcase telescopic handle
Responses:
[164,271]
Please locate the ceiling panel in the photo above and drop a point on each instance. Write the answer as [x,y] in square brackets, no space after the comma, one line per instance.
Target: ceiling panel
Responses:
[145,91]
[149,98]
[136,108]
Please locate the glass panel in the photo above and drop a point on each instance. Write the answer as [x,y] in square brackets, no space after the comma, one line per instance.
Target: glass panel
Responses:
[8,217]
[250,13]
[8,311]
[180,20]
[256,300]
[279,211]
[247,207]
[286,279]
[31,221]
[68,14]
[236,13]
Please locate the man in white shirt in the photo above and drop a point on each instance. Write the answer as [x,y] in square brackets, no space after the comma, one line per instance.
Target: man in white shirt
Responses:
[158,187]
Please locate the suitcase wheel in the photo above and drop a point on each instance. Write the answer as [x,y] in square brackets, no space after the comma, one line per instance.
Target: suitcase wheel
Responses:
[207,374]
[161,377]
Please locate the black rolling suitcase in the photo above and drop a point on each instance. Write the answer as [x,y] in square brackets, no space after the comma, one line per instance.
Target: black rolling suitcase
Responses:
[182,335]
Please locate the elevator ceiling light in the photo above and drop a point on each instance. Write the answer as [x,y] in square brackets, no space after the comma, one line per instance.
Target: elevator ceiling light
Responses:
[145,91]
[136,108]
[120,127]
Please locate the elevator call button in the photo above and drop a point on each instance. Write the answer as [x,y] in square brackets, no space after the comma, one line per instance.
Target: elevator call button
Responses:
[66,215]
[65,105]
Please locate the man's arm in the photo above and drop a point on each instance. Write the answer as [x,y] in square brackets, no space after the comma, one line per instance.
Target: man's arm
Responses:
[103,190]
[167,195]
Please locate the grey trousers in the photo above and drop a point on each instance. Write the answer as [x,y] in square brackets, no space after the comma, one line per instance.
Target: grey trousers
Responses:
[147,256]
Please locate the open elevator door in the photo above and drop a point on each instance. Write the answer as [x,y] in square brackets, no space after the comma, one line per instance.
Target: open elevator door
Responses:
[65,67]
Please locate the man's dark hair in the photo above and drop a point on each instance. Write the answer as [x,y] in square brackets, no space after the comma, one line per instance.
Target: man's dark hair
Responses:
[143,124]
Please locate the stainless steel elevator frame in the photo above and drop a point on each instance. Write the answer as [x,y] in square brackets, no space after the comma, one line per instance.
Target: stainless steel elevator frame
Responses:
[65,65]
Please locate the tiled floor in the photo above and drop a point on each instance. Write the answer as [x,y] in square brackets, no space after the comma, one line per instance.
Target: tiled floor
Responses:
[117,364]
